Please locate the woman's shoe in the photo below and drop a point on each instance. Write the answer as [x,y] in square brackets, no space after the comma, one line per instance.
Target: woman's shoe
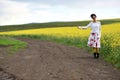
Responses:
[95,55]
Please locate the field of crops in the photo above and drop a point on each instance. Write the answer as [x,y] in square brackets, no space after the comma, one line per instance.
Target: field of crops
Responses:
[110,40]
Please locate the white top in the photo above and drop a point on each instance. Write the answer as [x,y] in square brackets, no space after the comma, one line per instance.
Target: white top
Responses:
[95,27]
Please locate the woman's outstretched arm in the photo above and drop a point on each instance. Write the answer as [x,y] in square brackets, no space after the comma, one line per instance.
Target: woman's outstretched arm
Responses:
[84,27]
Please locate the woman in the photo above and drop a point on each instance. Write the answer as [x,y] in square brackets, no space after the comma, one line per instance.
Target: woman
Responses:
[94,38]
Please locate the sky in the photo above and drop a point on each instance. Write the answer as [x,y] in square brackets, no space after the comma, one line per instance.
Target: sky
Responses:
[38,11]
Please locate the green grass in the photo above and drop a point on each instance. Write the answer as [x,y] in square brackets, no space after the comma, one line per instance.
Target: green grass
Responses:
[71,41]
[12,44]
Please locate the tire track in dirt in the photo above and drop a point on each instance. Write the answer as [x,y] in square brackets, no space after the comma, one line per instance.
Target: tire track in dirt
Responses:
[43,60]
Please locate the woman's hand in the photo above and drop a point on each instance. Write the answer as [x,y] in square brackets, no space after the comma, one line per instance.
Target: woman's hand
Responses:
[79,27]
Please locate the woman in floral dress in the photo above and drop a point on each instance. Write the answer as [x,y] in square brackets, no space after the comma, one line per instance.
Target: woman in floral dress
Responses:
[94,38]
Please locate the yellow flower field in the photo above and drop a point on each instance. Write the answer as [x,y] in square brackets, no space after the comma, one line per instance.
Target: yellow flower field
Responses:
[66,31]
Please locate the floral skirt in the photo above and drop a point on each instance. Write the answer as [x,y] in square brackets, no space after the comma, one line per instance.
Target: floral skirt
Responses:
[94,40]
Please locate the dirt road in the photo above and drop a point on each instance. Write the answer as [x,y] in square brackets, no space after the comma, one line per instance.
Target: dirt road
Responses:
[43,60]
